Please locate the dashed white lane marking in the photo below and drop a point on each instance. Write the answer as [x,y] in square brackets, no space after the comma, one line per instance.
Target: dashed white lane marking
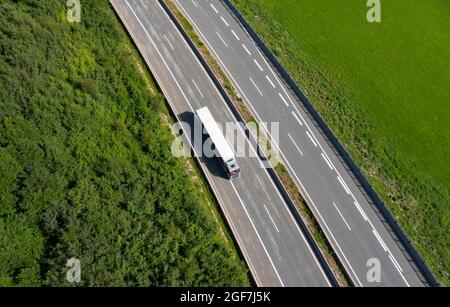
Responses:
[270,216]
[142,2]
[383,245]
[257,233]
[254,84]
[198,89]
[311,138]
[326,160]
[314,136]
[284,100]
[296,118]
[337,209]
[270,81]
[194,3]
[343,185]
[359,208]
[295,144]
[395,263]
[224,21]
[235,35]
[223,41]
[257,64]
[248,51]
[214,8]
[169,42]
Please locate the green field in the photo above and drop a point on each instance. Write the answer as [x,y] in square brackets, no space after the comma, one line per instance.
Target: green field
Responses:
[86,169]
[384,88]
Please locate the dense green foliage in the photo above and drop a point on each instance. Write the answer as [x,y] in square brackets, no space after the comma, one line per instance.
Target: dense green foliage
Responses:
[85,164]
[384,90]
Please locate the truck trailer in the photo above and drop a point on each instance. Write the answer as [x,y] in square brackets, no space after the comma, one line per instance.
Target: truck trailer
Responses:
[223,150]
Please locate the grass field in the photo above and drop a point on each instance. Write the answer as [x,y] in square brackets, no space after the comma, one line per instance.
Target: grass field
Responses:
[86,169]
[384,88]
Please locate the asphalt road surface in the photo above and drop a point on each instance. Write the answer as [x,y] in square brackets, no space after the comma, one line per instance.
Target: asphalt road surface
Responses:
[352,226]
[271,241]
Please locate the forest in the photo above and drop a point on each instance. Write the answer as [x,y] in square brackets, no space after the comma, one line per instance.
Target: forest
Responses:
[85,162]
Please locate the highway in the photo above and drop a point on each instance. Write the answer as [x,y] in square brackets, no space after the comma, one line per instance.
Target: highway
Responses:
[271,241]
[352,226]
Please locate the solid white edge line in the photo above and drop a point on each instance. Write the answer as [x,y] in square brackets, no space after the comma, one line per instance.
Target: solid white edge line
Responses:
[278,192]
[252,268]
[269,133]
[257,233]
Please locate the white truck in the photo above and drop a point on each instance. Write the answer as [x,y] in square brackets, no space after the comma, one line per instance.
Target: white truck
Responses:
[223,150]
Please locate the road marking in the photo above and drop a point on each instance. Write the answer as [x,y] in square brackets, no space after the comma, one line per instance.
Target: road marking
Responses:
[298,119]
[242,131]
[343,185]
[222,39]
[235,35]
[286,207]
[248,51]
[361,211]
[193,2]
[399,269]
[257,233]
[295,144]
[189,141]
[295,175]
[311,138]
[161,56]
[214,8]
[337,209]
[284,100]
[142,2]
[257,64]
[224,21]
[198,89]
[331,234]
[273,222]
[168,42]
[383,245]
[395,262]
[326,160]
[256,86]
[270,81]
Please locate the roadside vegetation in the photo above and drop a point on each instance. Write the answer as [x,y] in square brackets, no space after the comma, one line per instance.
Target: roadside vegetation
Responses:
[85,162]
[279,168]
[383,89]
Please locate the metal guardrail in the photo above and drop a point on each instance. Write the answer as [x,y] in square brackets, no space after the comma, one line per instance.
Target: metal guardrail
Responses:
[271,171]
[394,228]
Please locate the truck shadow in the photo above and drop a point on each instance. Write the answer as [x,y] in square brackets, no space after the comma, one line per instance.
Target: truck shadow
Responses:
[212,164]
